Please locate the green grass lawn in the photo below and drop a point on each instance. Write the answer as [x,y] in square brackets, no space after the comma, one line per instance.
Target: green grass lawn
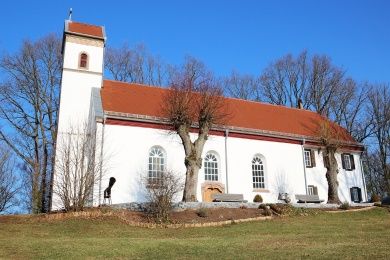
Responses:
[363,234]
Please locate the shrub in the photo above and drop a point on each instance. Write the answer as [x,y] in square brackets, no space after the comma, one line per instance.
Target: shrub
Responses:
[375,198]
[266,209]
[345,205]
[258,198]
[160,195]
[275,208]
[202,212]
[268,212]
[291,211]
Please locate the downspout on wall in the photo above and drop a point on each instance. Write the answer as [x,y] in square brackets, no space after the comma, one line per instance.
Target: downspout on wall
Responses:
[304,164]
[101,160]
[363,177]
[226,161]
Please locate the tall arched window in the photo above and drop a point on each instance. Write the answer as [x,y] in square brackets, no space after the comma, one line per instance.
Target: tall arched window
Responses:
[210,167]
[156,164]
[83,60]
[258,173]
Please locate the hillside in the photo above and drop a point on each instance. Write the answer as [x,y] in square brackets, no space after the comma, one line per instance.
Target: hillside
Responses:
[356,234]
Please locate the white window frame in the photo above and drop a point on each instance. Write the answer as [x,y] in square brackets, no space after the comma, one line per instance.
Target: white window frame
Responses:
[258,172]
[211,167]
[310,190]
[307,158]
[347,162]
[156,164]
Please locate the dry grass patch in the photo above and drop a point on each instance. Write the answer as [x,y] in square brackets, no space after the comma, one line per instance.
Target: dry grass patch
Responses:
[362,234]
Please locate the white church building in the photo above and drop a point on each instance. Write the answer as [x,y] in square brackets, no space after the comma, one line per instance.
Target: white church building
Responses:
[264,149]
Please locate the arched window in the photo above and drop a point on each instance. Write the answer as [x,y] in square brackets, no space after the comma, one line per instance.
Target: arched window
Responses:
[83,61]
[156,165]
[210,167]
[258,173]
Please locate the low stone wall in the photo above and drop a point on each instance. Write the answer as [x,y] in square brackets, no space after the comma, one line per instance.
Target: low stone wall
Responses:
[180,206]
[187,225]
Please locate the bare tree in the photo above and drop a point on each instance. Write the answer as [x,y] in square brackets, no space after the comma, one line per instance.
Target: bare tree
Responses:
[330,137]
[194,100]
[242,86]
[323,88]
[281,182]
[287,80]
[326,81]
[374,173]
[349,109]
[78,168]
[9,186]
[161,193]
[314,81]
[379,110]
[135,65]
[28,107]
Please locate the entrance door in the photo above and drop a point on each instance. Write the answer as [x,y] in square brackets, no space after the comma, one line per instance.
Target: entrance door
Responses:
[208,194]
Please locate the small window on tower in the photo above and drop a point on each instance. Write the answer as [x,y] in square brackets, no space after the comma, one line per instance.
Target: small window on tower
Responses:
[83,61]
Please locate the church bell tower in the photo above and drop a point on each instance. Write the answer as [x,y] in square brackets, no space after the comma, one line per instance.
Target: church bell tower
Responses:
[83,51]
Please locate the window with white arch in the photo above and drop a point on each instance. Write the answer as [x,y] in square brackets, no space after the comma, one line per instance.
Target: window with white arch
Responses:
[258,173]
[210,167]
[156,164]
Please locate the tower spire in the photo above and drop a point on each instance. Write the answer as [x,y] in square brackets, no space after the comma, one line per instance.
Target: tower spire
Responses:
[70,14]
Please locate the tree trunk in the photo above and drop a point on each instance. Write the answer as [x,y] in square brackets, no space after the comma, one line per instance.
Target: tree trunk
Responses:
[331,176]
[191,184]
[44,179]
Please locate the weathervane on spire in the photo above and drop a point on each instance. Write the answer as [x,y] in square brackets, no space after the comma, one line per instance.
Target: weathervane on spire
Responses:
[70,14]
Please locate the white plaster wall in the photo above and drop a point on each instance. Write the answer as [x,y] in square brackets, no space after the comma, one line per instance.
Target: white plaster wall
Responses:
[127,148]
[282,162]
[73,51]
[76,98]
[347,179]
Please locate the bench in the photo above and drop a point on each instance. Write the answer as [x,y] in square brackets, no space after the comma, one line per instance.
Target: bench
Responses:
[224,197]
[308,199]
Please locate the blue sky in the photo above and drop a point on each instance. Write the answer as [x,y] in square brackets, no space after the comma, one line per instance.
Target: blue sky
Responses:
[226,35]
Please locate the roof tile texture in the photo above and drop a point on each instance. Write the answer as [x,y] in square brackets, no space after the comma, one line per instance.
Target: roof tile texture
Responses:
[86,29]
[146,100]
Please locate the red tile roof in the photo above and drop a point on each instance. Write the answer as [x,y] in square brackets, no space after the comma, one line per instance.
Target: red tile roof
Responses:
[85,29]
[146,100]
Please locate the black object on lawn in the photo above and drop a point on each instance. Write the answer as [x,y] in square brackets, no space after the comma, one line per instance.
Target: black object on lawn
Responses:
[107,191]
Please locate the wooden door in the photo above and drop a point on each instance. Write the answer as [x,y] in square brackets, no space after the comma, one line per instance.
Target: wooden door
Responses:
[208,194]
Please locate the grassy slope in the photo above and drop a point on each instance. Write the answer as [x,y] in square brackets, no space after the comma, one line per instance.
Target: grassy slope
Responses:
[342,235]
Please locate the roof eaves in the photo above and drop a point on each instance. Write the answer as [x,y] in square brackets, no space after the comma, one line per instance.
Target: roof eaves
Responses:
[85,35]
[234,129]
